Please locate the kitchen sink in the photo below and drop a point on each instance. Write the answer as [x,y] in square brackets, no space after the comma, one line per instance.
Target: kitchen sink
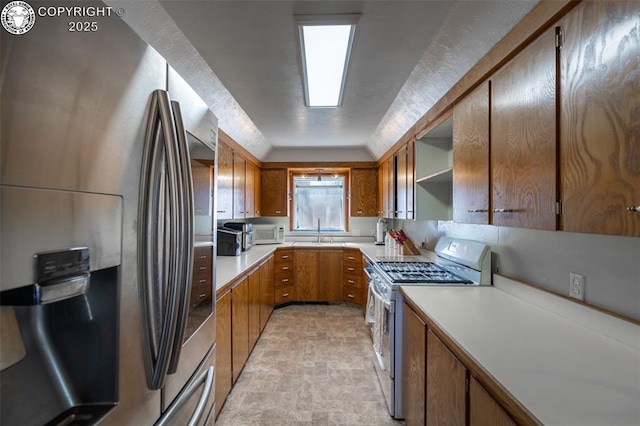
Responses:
[318,244]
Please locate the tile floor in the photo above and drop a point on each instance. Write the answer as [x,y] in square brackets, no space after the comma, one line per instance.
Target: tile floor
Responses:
[313,365]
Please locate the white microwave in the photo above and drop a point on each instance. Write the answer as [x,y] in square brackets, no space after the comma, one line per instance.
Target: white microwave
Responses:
[268,234]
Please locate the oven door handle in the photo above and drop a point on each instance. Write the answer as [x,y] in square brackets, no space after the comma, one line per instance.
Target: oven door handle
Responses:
[369,270]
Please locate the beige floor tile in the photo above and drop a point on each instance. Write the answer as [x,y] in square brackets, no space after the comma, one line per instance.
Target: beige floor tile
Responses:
[313,365]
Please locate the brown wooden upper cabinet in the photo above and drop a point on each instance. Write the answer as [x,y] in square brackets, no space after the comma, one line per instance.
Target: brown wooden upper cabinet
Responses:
[250,205]
[364,199]
[523,141]
[238,186]
[411,180]
[274,189]
[600,143]
[396,180]
[224,203]
[385,189]
[471,157]
[401,183]
[257,194]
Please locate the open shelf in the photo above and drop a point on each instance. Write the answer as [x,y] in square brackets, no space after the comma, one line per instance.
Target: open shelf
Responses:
[434,173]
[441,176]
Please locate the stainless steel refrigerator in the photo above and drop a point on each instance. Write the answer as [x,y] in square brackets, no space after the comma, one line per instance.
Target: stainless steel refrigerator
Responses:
[107,193]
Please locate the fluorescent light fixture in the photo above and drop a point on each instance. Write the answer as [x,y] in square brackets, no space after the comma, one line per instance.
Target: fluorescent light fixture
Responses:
[325,48]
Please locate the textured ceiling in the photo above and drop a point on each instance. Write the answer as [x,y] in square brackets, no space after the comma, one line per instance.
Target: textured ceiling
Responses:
[242,57]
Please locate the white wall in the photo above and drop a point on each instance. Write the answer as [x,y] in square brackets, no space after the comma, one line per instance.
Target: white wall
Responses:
[610,264]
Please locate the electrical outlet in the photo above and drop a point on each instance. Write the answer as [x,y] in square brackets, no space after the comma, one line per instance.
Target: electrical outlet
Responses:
[576,286]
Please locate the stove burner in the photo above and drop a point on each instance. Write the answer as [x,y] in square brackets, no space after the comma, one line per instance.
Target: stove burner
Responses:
[416,272]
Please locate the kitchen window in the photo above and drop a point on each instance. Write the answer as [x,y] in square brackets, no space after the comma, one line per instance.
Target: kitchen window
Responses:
[319,196]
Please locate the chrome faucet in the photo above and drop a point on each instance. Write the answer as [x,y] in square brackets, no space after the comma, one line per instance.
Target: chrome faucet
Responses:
[319,230]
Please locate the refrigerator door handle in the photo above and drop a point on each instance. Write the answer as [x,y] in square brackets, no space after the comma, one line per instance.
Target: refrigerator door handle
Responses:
[185,254]
[205,380]
[157,251]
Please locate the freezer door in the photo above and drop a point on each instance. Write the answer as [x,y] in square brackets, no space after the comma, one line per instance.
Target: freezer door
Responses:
[194,404]
[198,334]
[73,119]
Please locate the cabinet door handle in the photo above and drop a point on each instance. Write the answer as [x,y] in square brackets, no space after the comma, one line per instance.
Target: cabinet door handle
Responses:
[202,295]
[351,258]
[351,281]
[221,211]
[284,257]
[350,269]
[202,281]
[286,280]
[478,211]
[278,211]
[634,209]
[350,296]
[285,295]
[285,268]
[359,211]
[203,257]
[504,210]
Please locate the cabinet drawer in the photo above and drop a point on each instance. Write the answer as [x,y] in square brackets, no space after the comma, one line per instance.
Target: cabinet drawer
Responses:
[352,256]
[352,269]
[284,295]
[202,253]
[283,279]
[352,295]
[284,256]
[201,270]
[202,262]
[201,291]
[283,268]
[352,281]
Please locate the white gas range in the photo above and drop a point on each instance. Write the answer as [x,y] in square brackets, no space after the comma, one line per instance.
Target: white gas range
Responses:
[458,263]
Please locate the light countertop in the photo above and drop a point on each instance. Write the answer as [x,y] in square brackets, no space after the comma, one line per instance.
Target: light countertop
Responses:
[563,371]
[229,268]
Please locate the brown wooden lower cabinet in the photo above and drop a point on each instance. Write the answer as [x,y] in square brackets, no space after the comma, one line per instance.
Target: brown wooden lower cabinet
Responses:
[241,314]
[284,295]
[484,410]
[318,275]
[254,308]
[266,291]
[224,374]
[284,291]
[353,281]
[434,383]
[446,385]
[240,326]
[414,351]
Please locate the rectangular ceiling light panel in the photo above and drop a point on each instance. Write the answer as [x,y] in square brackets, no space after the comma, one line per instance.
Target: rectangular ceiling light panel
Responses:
[325,50]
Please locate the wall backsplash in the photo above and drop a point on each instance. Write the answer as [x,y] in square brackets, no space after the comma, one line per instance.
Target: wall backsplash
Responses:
[610,264]
[363,227]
